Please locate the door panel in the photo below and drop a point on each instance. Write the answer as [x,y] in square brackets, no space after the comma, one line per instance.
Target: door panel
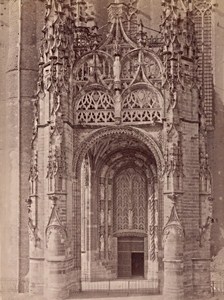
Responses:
[130,257]
[137,264]
[124,264]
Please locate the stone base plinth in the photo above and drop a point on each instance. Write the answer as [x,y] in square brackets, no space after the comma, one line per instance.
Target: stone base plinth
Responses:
[173,280]
[36,278]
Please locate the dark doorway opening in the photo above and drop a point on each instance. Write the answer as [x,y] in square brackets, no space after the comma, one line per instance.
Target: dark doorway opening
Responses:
[137,264]
[130,257]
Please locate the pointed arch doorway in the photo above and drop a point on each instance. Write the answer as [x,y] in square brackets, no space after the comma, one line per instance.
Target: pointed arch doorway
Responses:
[130,215]
[119,227]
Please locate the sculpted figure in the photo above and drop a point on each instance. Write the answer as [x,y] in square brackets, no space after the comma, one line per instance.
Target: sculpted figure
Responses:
[109,243]
[130,218]
[101,243]
[109,217]
[101,217]
[117,68]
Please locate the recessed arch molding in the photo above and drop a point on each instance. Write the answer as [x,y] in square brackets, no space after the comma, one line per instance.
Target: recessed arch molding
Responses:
[131,132]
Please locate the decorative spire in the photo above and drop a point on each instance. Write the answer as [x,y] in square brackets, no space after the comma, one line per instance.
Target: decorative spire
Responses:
[179,44]
[80,13]
[178,28]
[141,35]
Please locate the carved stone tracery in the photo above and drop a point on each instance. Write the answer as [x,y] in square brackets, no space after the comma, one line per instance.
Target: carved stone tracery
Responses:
[130,205]
[95,107]
[116,65]
[142,106]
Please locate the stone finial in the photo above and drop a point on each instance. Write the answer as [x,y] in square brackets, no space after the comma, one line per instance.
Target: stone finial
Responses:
[141,35]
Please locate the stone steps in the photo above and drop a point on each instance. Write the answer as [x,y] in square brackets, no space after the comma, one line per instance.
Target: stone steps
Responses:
[102,269]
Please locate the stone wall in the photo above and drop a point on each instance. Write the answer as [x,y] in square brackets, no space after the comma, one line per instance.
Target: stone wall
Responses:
[9,148]
[20,34]
[216,137]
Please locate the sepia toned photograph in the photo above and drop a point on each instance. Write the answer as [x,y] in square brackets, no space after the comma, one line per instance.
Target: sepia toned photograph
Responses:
[112,149]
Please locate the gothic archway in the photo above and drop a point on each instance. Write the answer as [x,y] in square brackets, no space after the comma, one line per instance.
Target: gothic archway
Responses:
[107,162]
[129,132]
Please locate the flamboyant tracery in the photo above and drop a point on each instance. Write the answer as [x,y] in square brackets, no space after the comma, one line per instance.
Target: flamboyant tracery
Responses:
[115,115]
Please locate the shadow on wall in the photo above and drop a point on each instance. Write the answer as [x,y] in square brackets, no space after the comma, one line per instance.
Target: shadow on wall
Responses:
[216,146]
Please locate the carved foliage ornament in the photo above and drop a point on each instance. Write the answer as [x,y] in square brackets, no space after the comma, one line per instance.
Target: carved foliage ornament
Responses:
[33,230]
[57,165]
[35,120]
[33,176]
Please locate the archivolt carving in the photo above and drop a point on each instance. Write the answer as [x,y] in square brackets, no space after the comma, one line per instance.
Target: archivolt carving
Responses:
[129,132]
